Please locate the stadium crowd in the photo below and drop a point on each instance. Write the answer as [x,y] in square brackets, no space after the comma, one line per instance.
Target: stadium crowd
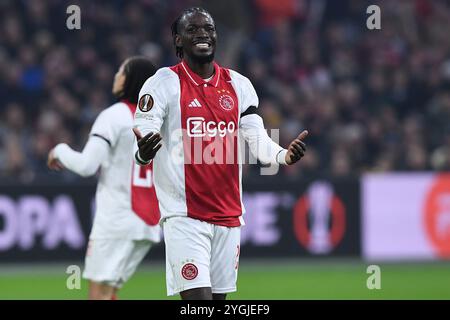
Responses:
[372,100]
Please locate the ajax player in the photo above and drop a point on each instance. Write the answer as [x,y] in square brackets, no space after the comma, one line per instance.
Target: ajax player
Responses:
[127,214]
[197,109]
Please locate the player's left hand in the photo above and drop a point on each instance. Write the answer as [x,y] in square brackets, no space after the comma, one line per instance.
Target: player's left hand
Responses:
[53,163]
[296,149]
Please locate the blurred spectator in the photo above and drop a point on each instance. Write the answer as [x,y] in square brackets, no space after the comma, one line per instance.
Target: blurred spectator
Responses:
[372,100]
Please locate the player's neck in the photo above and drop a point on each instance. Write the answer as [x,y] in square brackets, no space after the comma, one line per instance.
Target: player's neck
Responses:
[204,70]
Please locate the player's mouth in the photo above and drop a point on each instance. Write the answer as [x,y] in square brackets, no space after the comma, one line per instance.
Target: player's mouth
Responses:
[202,45]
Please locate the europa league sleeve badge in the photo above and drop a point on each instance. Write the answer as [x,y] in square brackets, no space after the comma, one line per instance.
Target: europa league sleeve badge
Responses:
[145,104]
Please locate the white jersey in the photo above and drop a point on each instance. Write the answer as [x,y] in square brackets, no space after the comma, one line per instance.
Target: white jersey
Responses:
[203,183]
[126,204]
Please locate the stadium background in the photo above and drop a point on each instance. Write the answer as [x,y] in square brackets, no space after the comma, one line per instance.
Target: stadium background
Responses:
[372,188]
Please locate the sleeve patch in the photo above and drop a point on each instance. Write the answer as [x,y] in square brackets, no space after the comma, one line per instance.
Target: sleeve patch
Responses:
[145,103]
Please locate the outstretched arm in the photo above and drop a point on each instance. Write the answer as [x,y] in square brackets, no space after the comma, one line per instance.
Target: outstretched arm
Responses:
[85,163]
[264,148]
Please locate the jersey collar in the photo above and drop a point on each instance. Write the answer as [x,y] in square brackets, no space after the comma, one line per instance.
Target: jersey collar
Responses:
[197,80]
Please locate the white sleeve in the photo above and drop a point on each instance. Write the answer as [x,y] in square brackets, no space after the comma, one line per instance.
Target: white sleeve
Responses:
[152,107]
[152,104]
[252,127]
[108,125]
[260,144]
[87,162]
[248,96]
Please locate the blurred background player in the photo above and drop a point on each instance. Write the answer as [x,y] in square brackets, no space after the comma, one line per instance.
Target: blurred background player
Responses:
[126,220]
[201,202]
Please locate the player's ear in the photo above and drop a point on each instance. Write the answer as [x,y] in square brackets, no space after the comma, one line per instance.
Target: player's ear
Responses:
[178,41]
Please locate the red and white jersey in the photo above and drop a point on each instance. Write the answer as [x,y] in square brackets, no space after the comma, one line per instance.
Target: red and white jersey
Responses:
[126,204]
[197,120]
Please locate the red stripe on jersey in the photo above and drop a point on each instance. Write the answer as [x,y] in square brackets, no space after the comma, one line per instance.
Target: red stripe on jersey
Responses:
[209,119]
[143,196]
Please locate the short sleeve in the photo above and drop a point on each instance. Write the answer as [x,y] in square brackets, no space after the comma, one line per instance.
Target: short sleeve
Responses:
[249,96]
[246,92]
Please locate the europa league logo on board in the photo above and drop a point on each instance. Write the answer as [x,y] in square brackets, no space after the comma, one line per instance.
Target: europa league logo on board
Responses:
[319,219]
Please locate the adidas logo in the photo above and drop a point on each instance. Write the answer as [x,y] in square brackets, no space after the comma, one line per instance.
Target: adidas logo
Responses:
[194,104]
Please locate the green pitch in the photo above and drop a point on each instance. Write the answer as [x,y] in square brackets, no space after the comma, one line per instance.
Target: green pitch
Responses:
[257,280]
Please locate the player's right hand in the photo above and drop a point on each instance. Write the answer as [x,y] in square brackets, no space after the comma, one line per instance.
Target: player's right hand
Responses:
[148,145]
[52,162]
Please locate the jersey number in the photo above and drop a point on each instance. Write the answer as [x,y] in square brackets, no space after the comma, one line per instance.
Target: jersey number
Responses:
[142,176]
[143,196]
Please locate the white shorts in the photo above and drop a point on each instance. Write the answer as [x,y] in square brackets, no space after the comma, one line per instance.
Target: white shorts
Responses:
[113,261]
[200,254]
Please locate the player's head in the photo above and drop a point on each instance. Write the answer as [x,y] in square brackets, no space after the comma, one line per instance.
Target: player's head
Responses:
[131,76]
[194,35]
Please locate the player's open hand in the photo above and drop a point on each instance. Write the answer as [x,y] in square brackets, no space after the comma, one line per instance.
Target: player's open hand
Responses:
[148,145]
[53,163]
[296,149]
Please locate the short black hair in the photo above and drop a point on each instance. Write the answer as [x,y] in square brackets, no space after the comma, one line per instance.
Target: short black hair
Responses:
[176,24]
[137,69]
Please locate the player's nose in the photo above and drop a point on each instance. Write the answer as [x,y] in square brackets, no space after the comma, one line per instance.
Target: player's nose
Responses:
[202,34]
